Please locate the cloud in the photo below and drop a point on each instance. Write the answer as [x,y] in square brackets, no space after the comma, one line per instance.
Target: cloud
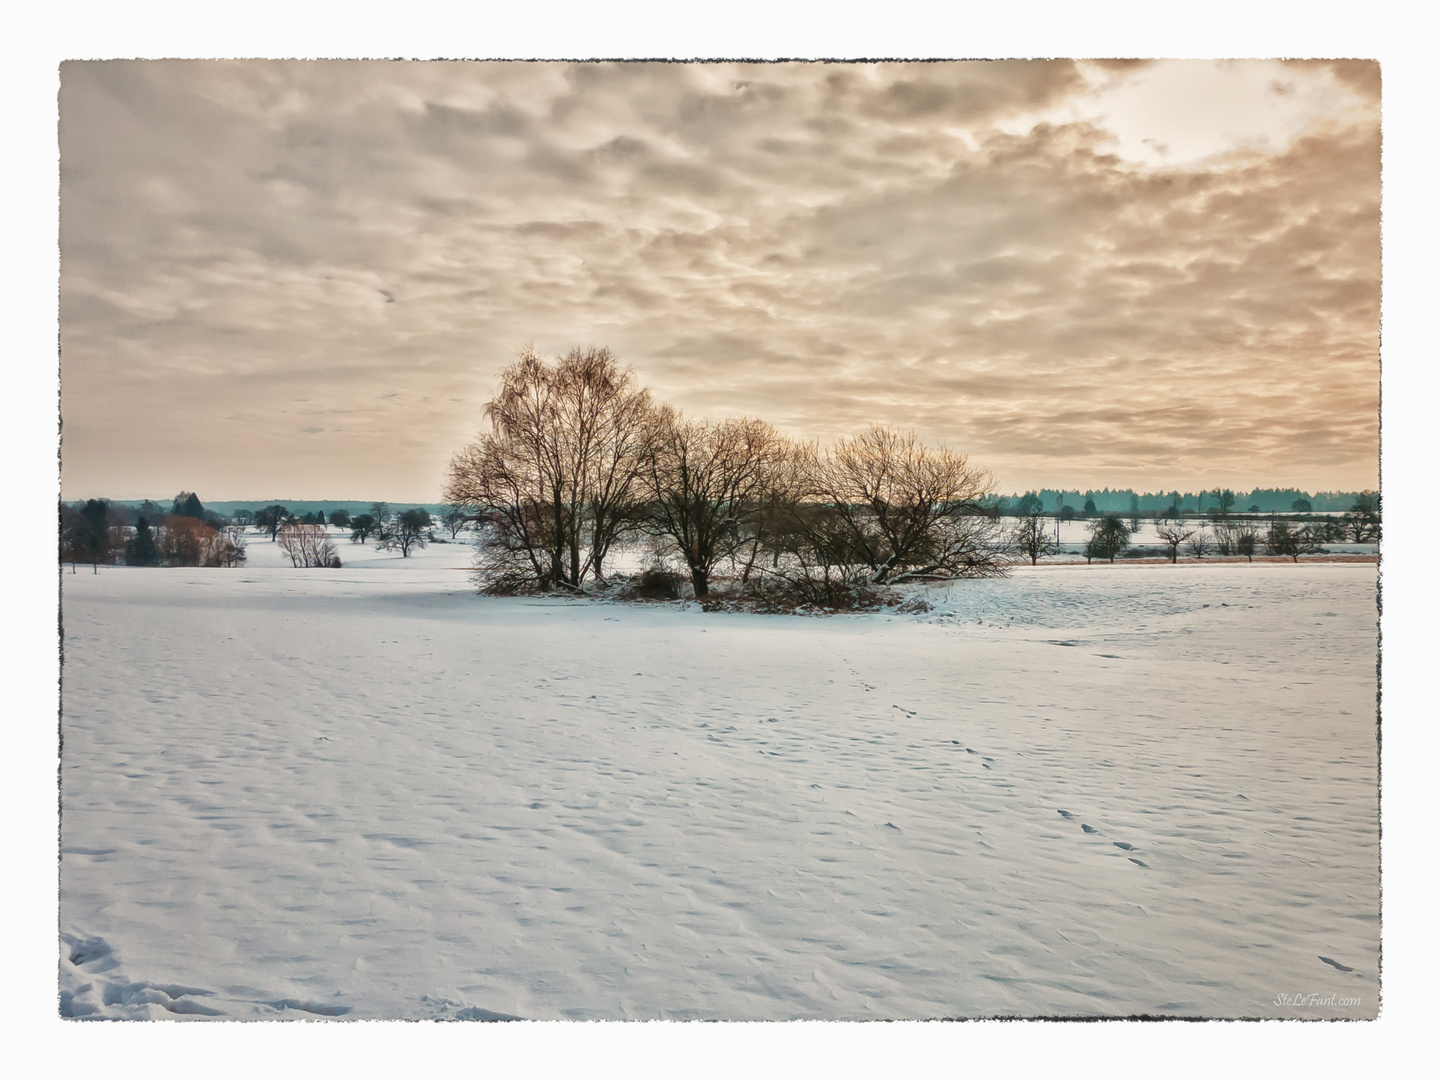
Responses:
[965,248]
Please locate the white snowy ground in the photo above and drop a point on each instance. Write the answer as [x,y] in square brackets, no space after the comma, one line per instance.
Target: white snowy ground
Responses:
[370,793]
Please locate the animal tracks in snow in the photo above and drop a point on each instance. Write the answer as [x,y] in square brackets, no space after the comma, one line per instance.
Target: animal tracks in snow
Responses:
[1090,830]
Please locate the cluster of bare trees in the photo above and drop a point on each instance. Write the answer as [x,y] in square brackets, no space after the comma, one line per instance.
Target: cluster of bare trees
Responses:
[1227,538]
[308,545]
[579,457]
[560,471]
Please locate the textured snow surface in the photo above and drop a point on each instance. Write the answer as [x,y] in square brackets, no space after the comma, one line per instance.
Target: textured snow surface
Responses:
[368,793]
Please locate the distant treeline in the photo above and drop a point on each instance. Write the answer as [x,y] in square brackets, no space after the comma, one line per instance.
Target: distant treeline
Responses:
[1106,500]
[298,507]
[1126,500]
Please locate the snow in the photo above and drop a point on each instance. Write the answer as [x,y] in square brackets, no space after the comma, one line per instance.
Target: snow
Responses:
[367,792]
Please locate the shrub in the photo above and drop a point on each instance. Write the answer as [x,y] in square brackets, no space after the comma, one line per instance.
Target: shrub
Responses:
[657,583]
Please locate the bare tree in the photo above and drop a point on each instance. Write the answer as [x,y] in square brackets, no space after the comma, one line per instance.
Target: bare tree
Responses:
[1031,537]
[1201,543]
[184,540]
[308,545]
[454,519]
[1245,542]
[559,471]
[910,511]
[1173,533]
[272,518]
[1283,539]
[1362,521]
[709,483]
[815,556]
[225,548]
[1226,536]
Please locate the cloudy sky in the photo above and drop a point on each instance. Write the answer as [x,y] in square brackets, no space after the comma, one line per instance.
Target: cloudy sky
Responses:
[299,279]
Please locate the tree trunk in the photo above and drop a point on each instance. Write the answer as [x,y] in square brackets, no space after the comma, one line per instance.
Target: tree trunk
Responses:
[700,578]
[750,564]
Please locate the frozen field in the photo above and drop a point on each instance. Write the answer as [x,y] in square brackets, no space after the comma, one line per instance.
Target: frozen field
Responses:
[369,793]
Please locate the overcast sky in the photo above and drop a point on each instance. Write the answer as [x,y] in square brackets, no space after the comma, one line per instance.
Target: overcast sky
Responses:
[299,279]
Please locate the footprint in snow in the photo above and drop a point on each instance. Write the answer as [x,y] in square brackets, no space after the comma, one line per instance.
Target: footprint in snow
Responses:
[1137,862]
[90,950]
[1063,813]
[1336,964]
[1124,846]
[1088,829]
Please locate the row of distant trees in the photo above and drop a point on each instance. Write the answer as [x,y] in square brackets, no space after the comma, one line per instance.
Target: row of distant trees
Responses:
[308,543]
[186,536]
[1218,501]
[98,532]
[1109,535]
[579,458]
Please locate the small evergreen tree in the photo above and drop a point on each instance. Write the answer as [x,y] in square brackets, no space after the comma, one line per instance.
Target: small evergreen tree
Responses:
[187,504]
[93,535]
[140,549]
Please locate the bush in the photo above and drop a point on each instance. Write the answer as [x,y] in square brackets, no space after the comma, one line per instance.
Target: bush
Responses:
[656,583]
[780,596]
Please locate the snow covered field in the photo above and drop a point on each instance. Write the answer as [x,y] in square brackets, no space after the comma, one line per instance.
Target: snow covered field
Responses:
[369,793]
